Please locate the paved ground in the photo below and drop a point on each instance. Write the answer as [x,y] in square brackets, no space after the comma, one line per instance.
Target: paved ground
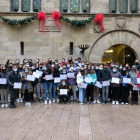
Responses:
[70,122]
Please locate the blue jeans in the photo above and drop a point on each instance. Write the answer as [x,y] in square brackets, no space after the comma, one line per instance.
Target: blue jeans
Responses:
[48,89]
[55,85]
[84,94]
[81,94]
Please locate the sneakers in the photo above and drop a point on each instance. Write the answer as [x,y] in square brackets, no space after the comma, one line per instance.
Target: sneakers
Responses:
[17,100]
[26,103]
[113,102]
[126,103]
[57,100]
[50,101]
[117,102]
[88,103]
[6,105]
[103,102]
[53,101]
[81,103]
[122,103]
[2,105]
[45,102]
[98,102]
[21,100]
[94,101]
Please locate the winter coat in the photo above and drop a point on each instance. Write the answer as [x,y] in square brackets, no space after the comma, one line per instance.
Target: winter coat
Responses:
[105,75]
[72,81]
[3,75]
[98,74]
[133,77]
[68,87]
[30,86]
[93,76]
[80,78]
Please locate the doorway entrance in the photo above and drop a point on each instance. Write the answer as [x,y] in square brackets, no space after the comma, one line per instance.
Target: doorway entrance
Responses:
[119,53]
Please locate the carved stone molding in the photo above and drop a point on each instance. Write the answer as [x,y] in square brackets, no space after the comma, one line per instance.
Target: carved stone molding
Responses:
[121,23]
[97,29]
[49,25]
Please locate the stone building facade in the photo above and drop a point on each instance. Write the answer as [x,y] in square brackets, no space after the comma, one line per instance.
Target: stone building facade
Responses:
[120,28]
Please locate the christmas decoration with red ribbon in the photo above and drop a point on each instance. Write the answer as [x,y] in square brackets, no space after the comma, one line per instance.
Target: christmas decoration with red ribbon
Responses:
[56,16]
[99,19]
[41,16]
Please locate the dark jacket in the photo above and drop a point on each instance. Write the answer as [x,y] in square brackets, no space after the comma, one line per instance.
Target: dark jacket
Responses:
[68,87]
[40,80]
[105,75]
[98,74]
[11,79]
[3,75]
[72,81]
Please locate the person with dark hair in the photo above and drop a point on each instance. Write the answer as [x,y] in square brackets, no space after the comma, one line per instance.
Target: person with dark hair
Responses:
[89,90]
[30,62]
[13,77]
[70,60]
[64,85]
[137,64]
[63,61]
[3,87]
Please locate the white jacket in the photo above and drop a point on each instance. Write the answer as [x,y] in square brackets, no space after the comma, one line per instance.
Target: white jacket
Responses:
[80,78]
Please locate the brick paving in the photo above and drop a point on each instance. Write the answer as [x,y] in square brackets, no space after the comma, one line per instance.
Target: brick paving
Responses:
[70,122]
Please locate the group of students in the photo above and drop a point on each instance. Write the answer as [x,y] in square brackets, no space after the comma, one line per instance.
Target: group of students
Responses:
[17,72]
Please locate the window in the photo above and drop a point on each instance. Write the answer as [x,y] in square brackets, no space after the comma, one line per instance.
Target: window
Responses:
[75,6]
[123,6]
[15,5]
[63,5]
[133,6]
[37,5]
[85,6]
[112,6]
[25,5]
[71,48]
[22,48]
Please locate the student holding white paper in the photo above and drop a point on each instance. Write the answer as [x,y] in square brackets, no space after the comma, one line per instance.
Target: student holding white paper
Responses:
[64,85]
[27,87]
[48,85]
[133,75]
[13,77]
[124,88]
[80,79]
[89,91]
[3,88]
[115,87]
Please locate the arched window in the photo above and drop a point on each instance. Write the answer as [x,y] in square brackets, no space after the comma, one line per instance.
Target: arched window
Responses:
[63,5]
[14,5]
[112,6]
[25,5]
[123,6]
[133,6]
[85,6]
[75,6]
[37,5]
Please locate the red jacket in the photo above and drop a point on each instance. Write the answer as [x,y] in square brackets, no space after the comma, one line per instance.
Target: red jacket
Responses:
[63,63]
[138,77]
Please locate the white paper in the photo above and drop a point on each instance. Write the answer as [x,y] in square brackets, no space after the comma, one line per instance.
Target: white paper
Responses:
[138,80]
[3,81]
[63,76]
[127,80]
[36,75]
[63,91]
[106,83]
[30,78]
[57,80]
[70,75]
[98,84]
[49,77]
[83,85]
[135,87]
[39,72]
[88,80]
[17,85]
[115,80]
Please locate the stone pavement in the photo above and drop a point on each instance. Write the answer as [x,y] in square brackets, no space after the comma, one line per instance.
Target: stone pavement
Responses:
[70,122]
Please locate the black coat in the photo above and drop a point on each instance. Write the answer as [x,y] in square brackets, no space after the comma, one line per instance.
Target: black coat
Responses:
[105,75]
[3,75]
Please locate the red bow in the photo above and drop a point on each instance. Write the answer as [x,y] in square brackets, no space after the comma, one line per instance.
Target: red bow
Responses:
[56,16]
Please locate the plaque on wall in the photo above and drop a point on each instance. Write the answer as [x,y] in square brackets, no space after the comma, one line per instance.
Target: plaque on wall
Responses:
[121,23]
[50,25]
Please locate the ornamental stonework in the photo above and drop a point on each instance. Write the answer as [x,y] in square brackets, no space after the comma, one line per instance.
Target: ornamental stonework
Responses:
[50,25]
[121,23]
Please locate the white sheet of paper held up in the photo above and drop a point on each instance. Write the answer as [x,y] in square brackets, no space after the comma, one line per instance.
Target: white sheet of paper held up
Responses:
[49,77]
[63,91]
[30,78]
[17,85]
[3,81]
[106,83]
[88,80]
[83,85]
[70,75]
[135,87]
[115,80]
[63,76]
[98,84]
[127,80]
[57,80]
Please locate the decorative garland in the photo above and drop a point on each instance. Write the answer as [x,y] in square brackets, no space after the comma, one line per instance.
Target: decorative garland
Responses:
[77,23]
[18,22]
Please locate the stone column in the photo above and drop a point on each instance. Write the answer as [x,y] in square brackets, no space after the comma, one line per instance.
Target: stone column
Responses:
[80,7]
[128,7]
[69,6]
[138,6]
[117,8]
[31,5]
[20,1]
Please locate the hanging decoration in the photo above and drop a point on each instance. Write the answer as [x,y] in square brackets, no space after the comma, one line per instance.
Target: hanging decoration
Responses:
[56,16]
[42,16]
[18,22]
[78,23]
[99,19]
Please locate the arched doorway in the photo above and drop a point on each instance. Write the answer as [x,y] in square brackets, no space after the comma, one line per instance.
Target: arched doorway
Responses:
[119,53]
[112,38]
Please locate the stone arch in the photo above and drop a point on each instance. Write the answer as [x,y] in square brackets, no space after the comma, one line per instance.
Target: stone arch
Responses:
[112,38]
